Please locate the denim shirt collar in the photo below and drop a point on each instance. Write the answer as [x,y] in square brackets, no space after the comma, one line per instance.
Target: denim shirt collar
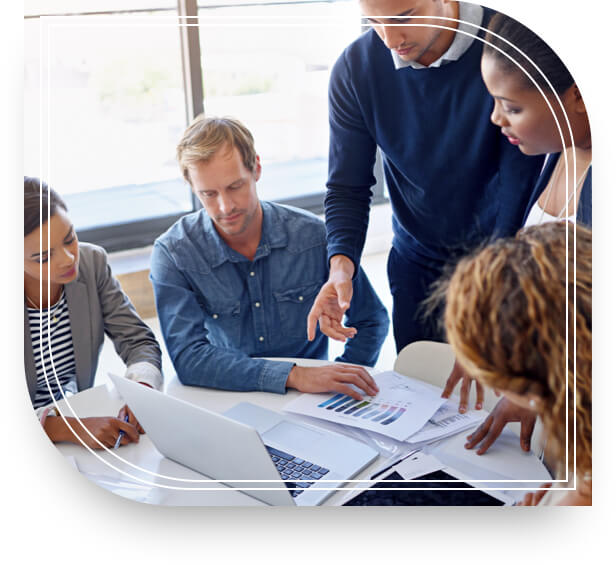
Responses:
[273,235]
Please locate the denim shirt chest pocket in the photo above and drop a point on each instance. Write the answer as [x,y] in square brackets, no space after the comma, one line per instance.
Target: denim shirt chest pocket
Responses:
[223,323]
[294,305]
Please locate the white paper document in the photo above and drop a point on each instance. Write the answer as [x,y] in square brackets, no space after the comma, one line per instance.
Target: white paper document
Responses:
[401,408]
[504,461]
[417,465]
[447,421]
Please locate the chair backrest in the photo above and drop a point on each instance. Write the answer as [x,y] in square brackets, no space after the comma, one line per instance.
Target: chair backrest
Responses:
[432,362]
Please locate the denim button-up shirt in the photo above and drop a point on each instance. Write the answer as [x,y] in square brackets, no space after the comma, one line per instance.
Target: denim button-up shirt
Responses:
[218,309]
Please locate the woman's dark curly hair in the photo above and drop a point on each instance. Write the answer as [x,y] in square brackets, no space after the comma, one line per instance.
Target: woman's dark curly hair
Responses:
[509,310]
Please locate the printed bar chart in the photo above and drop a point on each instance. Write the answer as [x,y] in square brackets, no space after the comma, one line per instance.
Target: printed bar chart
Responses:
[382,413]
[402,407]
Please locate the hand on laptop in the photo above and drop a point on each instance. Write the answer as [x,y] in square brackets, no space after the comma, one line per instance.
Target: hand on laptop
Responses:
[459,374]
[503,413]
[332,378]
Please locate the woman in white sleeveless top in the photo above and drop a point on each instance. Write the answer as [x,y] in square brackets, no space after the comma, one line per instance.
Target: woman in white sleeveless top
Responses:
[526,119]
[564,188]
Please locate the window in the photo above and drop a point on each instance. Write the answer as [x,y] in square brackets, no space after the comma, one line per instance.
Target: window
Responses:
[107,102]
[269,65]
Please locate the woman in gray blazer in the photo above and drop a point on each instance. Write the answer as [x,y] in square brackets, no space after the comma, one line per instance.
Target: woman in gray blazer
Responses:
[71,300]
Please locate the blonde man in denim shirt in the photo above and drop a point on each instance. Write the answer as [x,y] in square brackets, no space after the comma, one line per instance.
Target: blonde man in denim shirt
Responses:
[235,281]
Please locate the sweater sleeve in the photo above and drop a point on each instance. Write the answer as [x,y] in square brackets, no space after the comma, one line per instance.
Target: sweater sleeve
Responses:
[352,152]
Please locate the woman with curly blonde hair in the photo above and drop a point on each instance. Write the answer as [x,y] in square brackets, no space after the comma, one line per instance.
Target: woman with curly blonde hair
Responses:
[519,317]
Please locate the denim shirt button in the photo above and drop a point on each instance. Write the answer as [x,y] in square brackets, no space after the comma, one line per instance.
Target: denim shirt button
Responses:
[215,316]
[252,273]
[258,304]
[261,338]
[301,298]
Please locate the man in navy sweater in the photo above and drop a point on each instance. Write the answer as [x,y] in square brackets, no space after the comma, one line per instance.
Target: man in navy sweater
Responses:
[412,87]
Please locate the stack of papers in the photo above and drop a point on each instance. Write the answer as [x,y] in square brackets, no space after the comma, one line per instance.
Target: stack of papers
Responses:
[446,422]
[405,409]
[402,407]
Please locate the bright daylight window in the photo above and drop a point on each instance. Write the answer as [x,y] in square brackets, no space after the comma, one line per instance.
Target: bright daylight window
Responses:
[116,102]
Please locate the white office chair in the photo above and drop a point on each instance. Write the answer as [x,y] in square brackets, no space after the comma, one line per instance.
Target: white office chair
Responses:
[432,362]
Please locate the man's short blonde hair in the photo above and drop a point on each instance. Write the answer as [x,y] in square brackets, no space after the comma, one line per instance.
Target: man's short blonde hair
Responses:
[206,135]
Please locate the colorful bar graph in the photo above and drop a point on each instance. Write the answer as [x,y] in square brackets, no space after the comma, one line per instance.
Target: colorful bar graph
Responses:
[394,417]
[384,414]
[364,409]
[344,399]
[377,410]
[347,405]
[330,400]
[357,407]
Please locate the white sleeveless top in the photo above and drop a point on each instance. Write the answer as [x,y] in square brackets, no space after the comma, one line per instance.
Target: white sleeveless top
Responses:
[538,215]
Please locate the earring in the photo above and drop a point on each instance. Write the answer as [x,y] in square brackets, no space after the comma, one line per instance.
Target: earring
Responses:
[532,403]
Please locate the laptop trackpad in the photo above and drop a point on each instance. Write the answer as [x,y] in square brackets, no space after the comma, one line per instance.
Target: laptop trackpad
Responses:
[286,433]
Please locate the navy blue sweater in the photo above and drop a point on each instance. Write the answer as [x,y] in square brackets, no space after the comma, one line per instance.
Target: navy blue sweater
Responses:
[453,178]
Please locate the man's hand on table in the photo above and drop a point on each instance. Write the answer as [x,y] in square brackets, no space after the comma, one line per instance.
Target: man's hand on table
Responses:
[333,301]
[503,413]
[457,374]
[332,378]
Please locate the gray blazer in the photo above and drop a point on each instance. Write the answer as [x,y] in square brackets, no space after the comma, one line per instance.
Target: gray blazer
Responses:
[97,306]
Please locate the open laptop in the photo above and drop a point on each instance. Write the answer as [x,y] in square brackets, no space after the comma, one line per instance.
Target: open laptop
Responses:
[246,444]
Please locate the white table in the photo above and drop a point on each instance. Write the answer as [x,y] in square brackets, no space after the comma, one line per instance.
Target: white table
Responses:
[140,472]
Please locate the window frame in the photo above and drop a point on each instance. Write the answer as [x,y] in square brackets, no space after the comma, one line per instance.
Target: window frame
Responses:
[142,233]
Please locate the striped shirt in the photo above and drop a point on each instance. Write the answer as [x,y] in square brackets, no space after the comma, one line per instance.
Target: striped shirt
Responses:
[52,346]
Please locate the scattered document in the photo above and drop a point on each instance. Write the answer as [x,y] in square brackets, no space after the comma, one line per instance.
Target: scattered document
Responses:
[401,408]
[417,465]
[447,421]
[504,466]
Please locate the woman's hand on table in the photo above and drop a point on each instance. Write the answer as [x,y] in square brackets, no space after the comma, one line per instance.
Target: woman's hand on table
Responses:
[126,411]
[105,429]
[503,413]
[459,374]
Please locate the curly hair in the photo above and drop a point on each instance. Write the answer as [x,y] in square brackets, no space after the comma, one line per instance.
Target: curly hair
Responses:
[508,316]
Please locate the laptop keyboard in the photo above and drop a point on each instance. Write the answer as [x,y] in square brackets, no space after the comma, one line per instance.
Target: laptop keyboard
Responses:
[298,474]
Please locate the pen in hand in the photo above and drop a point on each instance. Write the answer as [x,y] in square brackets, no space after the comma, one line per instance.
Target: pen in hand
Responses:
[120,435]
